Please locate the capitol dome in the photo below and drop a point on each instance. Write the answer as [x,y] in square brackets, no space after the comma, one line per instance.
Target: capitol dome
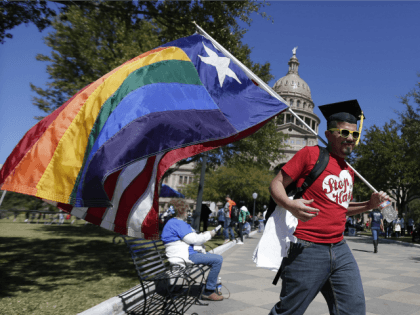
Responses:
[292,84]
[297,95]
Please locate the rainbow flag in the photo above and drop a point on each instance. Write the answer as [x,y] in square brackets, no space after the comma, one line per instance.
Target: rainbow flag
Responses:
[101,155]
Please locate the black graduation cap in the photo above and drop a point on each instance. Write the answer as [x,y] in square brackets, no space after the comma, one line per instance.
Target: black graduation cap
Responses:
[348,111]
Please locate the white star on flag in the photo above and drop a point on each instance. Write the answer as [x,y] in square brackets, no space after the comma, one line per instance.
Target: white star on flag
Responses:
[221,64]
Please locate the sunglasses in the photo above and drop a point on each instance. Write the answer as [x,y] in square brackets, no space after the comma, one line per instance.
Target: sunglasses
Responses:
[346,133]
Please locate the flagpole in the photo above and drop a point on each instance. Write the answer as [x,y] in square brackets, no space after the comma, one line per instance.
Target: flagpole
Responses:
[2,197]
[270,91]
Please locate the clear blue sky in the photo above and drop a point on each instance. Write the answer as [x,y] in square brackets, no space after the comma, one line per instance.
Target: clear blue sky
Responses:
[368,51]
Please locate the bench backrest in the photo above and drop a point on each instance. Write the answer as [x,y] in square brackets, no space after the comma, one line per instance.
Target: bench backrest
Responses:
[148,257]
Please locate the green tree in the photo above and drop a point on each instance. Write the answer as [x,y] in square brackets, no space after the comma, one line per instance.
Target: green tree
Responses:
[410,117]
[383,159]
[414,210]
[240,182]
[14,13]
[16,201]
[87,44]
[410,130]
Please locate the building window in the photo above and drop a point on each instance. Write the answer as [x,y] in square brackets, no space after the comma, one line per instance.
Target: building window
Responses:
[287,82]
[180,180]
[304,142]
[297,141]
[308,121]
[298,104]
[280,119]
[313,125]
[185,179]
[291,102]
[166,180]
[292,142]
[190,180]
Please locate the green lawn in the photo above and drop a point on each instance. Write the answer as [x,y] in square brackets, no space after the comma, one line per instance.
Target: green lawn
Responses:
[50,269]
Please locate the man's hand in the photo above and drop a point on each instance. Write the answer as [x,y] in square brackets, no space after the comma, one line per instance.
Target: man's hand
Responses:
[376,199]
[303,212]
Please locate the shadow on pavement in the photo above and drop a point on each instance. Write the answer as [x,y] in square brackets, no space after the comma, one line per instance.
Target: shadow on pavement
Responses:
[159,304]
[362,250]
[416,259]
[368,240]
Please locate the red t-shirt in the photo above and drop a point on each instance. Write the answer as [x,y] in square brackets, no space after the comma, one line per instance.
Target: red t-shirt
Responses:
[332,191]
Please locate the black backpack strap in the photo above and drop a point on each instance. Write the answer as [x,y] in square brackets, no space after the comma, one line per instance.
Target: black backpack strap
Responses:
[319,167]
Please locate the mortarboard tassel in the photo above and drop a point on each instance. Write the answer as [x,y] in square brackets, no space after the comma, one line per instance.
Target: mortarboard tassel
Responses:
[360,128]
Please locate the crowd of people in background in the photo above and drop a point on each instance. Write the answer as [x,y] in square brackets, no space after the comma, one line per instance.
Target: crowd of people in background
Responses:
[234,228]
[396,228]
[37,217]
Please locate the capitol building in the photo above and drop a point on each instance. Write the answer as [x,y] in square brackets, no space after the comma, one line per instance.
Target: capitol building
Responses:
[296,92]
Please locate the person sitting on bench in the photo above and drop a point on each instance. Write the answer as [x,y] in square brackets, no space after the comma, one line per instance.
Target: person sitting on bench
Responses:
[184,245]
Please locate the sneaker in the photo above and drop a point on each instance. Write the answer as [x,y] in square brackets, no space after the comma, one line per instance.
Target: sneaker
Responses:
[240,243]
[212,297]
[226,241]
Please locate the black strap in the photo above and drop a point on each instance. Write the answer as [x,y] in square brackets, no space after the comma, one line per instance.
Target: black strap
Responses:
[276,278]
[319,167]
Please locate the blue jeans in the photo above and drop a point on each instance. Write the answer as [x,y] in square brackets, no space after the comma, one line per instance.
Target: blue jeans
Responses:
[327,268]
[375,233]
[227,228]
[214,261]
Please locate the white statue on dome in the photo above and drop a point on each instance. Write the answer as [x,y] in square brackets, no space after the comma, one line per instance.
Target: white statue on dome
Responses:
[294,50]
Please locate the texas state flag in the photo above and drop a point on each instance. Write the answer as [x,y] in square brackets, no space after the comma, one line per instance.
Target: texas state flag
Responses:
[102,154]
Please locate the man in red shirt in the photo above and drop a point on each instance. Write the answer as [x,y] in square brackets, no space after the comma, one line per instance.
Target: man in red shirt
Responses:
[321,261]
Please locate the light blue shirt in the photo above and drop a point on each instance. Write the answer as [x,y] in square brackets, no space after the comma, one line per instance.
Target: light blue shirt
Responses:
[175,230]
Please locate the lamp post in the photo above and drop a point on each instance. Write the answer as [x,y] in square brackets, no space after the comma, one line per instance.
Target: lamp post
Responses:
[254,195]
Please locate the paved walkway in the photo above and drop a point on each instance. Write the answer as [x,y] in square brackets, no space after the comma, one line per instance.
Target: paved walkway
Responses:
[391,281]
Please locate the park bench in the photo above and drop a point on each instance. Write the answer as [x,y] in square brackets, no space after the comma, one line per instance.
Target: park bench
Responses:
[167,289]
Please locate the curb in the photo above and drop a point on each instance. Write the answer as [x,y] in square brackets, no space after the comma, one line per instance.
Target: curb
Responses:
[121,304]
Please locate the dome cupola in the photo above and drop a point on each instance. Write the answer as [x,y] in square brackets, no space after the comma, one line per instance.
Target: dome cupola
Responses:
[292,84]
